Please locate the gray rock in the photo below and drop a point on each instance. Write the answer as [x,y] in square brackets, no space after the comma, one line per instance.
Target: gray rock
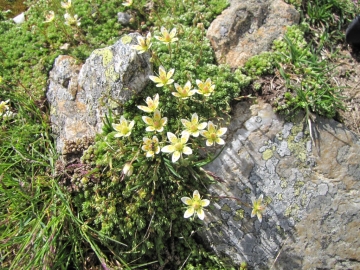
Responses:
[312,219]
[248,28]
[80,96]
[124,18]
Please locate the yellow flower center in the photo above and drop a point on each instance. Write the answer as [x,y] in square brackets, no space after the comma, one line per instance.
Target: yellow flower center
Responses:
[179,147]
[124,130]
[213,136]
[193,128]
[196,205]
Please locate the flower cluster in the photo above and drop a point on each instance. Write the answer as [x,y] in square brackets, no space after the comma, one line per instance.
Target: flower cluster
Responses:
[179,143]
[70,19]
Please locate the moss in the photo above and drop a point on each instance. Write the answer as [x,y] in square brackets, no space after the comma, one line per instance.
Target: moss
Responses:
[226,208]
[239,214]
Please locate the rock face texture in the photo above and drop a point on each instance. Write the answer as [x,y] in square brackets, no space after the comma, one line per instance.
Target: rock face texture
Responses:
[248,28]
[80,96]
[312,192]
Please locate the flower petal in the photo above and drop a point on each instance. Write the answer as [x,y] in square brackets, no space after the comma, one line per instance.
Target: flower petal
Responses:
[148,120]
[170,73]
[172,137]
[186,200]
[196,194]
[205,202]
[168,149]
[144,108]
[209,143]
[220,141]
[189,212]
[200,213]
[202,125]
[187,150]
[194,118]
[175,156]
[221,131]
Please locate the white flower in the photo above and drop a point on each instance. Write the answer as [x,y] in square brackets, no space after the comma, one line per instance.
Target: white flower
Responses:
[164,78]
[124,128]
[156,123]
[177,146]
[193,127]
[213,134]
[195,205]
[66,5]
[70,20]
[151,146]
[152,104]
[183,92]
[166,36]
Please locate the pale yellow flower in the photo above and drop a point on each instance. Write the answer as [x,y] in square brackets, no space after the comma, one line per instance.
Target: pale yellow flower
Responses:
[212,134]
[183,92]
[151,146]
[166,36]
[128,169]
[66,5]
[50,16]
[124,128]
[193,127]
[205,88]
[4,106]
[195,205]
[70,20]
[164,78]
[152,104]
[258,208]
[156,123]
[177,146]
[144,44]
[127,3]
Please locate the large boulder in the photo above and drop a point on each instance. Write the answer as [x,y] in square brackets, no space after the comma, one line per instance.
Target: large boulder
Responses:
[248,28]
[311,188]
[80,95]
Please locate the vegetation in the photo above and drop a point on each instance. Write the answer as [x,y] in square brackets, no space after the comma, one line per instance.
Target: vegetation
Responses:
[123,204]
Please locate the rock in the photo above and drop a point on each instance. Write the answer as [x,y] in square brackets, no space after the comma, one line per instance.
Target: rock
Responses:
[312,218]
[80,96]
[124,18]
[248,28]
[19,18]
[353,32]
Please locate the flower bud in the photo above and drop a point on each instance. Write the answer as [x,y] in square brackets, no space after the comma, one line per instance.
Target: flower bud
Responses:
[128,169]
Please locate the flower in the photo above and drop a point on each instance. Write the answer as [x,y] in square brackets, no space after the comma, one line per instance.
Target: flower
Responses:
[156,123]
[152,104]
[205,88]
[144,44]
[164,78]
[128,169]
[166,36]
[66,5]
[127,3]
[195,205]
[177,146]
[185,92]
[50,16]
[70,20]
[213,135]
[193,127]
[4,106]
[151,146]
[124,128]
[258,207]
